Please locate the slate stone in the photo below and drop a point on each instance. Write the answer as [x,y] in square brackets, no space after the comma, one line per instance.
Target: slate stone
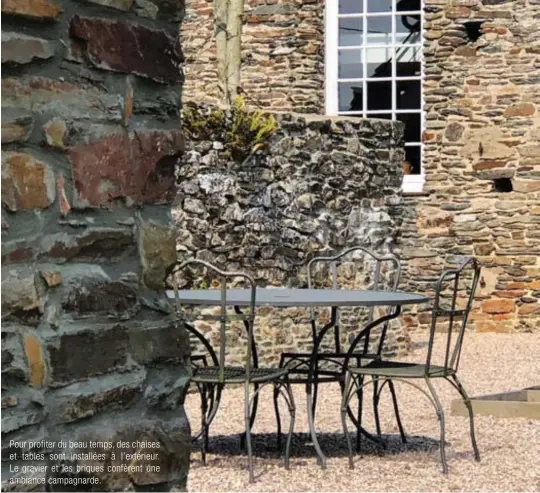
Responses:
[85,399]
[27,183]
[114,299]
[138,167]
[95,244]
[19,291]
[32,9]
[21,48]
[127,48]
[157,245]
[87,352]
[158,343]
[16,125]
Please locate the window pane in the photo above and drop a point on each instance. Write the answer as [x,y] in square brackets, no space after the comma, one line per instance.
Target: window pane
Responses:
[413,156]
[379,30]
[379,62]
[408,61]
[412,125]
[403,5]
[350,32]
[350,64]
[378,5]
[408,95]
[350,96]
[379,95]
[408,29]
[350,6]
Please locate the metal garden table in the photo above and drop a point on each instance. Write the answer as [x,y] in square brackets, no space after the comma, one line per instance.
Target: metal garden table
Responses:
[329,298]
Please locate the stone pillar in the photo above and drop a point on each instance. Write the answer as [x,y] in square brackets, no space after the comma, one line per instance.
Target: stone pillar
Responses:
[90,140]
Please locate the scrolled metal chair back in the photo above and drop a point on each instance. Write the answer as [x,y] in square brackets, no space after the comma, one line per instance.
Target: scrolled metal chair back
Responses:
[380,272]
[225,278]
[447,316]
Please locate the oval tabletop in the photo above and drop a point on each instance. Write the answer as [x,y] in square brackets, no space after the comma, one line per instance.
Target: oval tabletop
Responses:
[283,297]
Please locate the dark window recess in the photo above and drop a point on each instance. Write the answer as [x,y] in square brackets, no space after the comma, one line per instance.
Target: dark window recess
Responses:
[503,185]
[474,29]
[413,156]
[379,96]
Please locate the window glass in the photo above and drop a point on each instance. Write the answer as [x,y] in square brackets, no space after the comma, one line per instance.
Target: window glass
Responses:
[351,31]
[408,61]
[408,95]
[350,64]
[379,95]
[351,96]
[380,65]
[378,5]
[350,6]
[379,30]
[379,62]
[413,126]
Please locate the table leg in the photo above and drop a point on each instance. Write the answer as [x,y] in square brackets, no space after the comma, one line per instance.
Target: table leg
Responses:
[312,377]
[321,459]
[255,358]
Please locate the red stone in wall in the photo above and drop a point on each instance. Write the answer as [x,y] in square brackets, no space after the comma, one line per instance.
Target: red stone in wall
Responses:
[128,48]
[123,166]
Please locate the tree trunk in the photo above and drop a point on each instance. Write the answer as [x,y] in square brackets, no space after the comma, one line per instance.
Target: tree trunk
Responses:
[228,31]
[220,29]
[234,47]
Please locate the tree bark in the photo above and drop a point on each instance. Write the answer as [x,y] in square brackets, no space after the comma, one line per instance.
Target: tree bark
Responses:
[221,8]
[228,32]
[234,47]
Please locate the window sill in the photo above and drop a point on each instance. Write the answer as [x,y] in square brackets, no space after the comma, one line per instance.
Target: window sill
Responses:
[413,184]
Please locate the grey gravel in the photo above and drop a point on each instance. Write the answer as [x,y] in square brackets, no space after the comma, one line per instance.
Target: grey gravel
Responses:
[510,448]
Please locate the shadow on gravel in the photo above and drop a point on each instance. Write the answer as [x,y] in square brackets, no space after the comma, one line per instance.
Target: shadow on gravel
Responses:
[332,444]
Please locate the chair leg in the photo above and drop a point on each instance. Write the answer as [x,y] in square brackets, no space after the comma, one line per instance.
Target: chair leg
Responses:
[247,421]
[468,403]
[396,411]
[344,406]
[278,417]
[204,424]
[251,418]
[315,393]
[440,415]
[376,405]
[292,413]
[360,395]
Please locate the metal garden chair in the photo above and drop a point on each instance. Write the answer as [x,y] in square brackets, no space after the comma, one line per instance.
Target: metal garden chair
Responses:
[444,316]
[376,272]
[210,373]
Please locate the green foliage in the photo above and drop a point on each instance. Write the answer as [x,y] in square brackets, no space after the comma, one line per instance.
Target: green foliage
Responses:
[248,131]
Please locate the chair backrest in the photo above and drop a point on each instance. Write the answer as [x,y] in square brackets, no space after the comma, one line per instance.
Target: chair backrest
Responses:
[356,267]
[225,316]
[449,319]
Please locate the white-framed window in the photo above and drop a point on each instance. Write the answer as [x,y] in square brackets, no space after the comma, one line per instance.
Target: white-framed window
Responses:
[374,68]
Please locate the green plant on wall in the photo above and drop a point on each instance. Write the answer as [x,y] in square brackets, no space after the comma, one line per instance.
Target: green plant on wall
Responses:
[245,133]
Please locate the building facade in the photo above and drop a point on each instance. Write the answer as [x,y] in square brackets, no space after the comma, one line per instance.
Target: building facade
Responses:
[462,75]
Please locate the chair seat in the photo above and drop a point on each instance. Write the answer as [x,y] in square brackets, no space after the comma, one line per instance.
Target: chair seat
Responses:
[234,374]
[298,365]
[396,369]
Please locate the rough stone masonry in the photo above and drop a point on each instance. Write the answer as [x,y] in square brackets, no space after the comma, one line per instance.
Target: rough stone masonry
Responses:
[90,140]
[321,185]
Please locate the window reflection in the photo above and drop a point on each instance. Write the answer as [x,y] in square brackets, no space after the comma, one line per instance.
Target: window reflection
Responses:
[351,31]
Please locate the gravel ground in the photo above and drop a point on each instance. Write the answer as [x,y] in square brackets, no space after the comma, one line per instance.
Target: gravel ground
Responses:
[510,448]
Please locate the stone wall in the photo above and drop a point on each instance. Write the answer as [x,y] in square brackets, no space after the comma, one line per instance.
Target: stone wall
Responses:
[482,157]
[320,185]
[90,139]
[282,54]
[481,138]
